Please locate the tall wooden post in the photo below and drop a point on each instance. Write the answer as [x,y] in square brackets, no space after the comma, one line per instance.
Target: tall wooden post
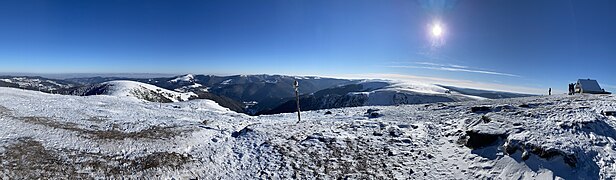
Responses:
[296,86]
[160,101]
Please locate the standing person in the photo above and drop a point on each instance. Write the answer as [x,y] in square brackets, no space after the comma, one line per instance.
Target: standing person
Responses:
[550,91]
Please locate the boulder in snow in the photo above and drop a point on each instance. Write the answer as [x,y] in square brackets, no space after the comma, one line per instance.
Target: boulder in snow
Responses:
[241,132]
[480,109]
[477,139]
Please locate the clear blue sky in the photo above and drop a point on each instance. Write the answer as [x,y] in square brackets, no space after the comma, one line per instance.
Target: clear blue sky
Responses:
[529,43]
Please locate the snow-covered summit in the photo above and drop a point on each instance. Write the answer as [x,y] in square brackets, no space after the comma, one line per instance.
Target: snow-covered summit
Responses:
[186,78]
[123,88]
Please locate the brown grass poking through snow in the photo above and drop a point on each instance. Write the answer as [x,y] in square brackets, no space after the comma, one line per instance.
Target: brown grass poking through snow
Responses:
[4,111]
[154,132]
[27,158]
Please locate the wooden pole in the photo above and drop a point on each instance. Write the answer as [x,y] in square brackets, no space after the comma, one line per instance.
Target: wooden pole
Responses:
[296,86]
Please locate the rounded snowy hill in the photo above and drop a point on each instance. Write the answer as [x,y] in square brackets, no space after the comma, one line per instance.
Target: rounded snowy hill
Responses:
[123,88]
[72,137]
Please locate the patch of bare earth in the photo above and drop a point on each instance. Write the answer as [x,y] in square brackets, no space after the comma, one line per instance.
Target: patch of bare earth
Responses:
[153,132]
[28,159]
[118,166]
[4,111]
[98,119]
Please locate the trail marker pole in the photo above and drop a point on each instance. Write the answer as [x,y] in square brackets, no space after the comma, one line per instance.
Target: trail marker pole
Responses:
[160,101]
[296,87]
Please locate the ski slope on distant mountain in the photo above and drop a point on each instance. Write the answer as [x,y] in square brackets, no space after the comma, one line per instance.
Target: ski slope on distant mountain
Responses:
[59,136]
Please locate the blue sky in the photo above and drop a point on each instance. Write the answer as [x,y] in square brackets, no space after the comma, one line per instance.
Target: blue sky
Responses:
[528,43]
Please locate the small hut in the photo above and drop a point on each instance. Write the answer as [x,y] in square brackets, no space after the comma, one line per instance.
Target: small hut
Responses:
[589,86]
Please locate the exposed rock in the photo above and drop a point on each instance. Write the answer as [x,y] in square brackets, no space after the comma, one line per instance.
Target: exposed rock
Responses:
[320,137]
[476,139]
[241,132]
[390,153]
[485,109]
[485,119]
[524,105]
[372,113]
[514,145]
[608,113]
[395,132]
[404,125]
[480,109]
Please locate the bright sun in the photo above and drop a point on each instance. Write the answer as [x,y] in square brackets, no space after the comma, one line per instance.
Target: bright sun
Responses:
[437,30]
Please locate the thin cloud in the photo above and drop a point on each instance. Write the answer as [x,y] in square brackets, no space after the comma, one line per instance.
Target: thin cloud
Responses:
[458,66]
[428,63]
[454,68]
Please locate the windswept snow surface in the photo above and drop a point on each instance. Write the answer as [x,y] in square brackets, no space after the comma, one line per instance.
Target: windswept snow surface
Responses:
[138,89]
[202,105]
[56,136]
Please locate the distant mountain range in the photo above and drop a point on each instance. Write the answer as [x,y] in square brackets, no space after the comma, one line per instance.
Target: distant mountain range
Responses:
[373,93]
[36,83]
[258,94]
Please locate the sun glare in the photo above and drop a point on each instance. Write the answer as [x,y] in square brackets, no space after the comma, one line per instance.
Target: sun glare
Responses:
[437,30]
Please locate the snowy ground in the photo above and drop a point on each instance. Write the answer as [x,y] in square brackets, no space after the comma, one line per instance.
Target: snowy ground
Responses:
[57,136]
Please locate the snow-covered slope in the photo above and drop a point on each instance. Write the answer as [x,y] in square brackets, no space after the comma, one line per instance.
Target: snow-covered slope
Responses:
[184,78]
[405,92]
[72,137]
[142,91]
[201,105]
